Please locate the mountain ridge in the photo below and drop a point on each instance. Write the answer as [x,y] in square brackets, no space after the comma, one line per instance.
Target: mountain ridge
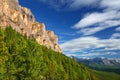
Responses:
[22,20]
[101,61]
[24,59]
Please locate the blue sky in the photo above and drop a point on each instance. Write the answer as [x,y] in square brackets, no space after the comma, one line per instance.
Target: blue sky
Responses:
[86,28]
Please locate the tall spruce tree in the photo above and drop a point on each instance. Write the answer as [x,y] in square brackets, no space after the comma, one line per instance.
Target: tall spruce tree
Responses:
[3,55]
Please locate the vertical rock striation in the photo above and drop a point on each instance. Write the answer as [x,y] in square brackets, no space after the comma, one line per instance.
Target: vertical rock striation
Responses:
[22,20]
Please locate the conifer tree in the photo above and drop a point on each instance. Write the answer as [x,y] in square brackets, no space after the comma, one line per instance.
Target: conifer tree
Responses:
[3,49]
[3,55]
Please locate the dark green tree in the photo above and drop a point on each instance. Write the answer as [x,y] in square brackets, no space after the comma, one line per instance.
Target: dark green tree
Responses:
[3,55]
[25,59]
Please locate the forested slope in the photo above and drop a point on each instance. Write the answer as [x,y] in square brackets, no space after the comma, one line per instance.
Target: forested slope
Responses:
[25,59]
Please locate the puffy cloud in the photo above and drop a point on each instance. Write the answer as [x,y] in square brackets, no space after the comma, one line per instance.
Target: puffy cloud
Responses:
[77,4]
[90,54]
[100,27]
[115,35]
[96,18]
[110,4]
[118,29]
[85,43]
[91,23]
[97,21]
[100,54]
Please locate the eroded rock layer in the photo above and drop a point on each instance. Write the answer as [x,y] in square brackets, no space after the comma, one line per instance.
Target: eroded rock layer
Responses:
[22,20]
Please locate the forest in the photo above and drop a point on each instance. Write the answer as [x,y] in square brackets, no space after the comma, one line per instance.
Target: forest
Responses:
[22,58]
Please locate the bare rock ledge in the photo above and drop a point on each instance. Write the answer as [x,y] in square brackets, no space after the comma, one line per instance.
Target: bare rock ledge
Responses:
[22,20]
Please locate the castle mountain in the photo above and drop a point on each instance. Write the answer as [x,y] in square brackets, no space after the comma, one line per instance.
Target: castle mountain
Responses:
[22,20]
[30,52]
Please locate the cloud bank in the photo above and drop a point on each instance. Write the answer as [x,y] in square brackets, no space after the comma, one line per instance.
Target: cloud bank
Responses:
[92,23]
[94,44]
[97,21]
[84,43]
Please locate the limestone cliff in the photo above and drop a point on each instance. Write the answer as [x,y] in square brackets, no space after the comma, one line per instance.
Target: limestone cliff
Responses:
[22,20]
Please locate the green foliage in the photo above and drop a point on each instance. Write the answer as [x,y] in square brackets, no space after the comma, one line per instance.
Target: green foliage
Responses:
[24,59]
[106,68]
[3,55]
[3,49]
[101,75]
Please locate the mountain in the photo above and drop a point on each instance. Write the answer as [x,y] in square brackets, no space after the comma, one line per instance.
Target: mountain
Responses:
[30,52]
[101,61]
[101,64]
[22,20]
[24,59]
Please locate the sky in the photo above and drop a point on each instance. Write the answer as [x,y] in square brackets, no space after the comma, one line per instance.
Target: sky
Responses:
[85,28]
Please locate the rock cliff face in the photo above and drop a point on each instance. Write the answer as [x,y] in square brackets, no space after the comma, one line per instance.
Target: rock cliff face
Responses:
[22,20]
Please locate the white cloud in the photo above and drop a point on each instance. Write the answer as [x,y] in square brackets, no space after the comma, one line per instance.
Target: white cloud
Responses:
[110,4]
[84,43]
[89,31]
[96,18]
[97,21]
[91,54]
[115,35]
[91,23]
[100,21]
[76,44]
[94,54]
[118,29]
[111,53]
[97,47]
[100,27]
[77,4]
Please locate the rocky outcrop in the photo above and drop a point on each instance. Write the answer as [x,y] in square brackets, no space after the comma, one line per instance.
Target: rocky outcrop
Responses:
[22,20]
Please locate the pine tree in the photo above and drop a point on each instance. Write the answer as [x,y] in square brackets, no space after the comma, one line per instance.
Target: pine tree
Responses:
[3,49]
[3,55]
[24,59]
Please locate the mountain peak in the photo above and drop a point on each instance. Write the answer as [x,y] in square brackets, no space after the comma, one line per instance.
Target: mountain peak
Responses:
[22,20]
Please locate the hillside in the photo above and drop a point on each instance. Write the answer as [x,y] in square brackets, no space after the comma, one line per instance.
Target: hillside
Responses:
[24,59]
[101,75]
[22,20]
[102,61]
[108,65]
[30,52]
